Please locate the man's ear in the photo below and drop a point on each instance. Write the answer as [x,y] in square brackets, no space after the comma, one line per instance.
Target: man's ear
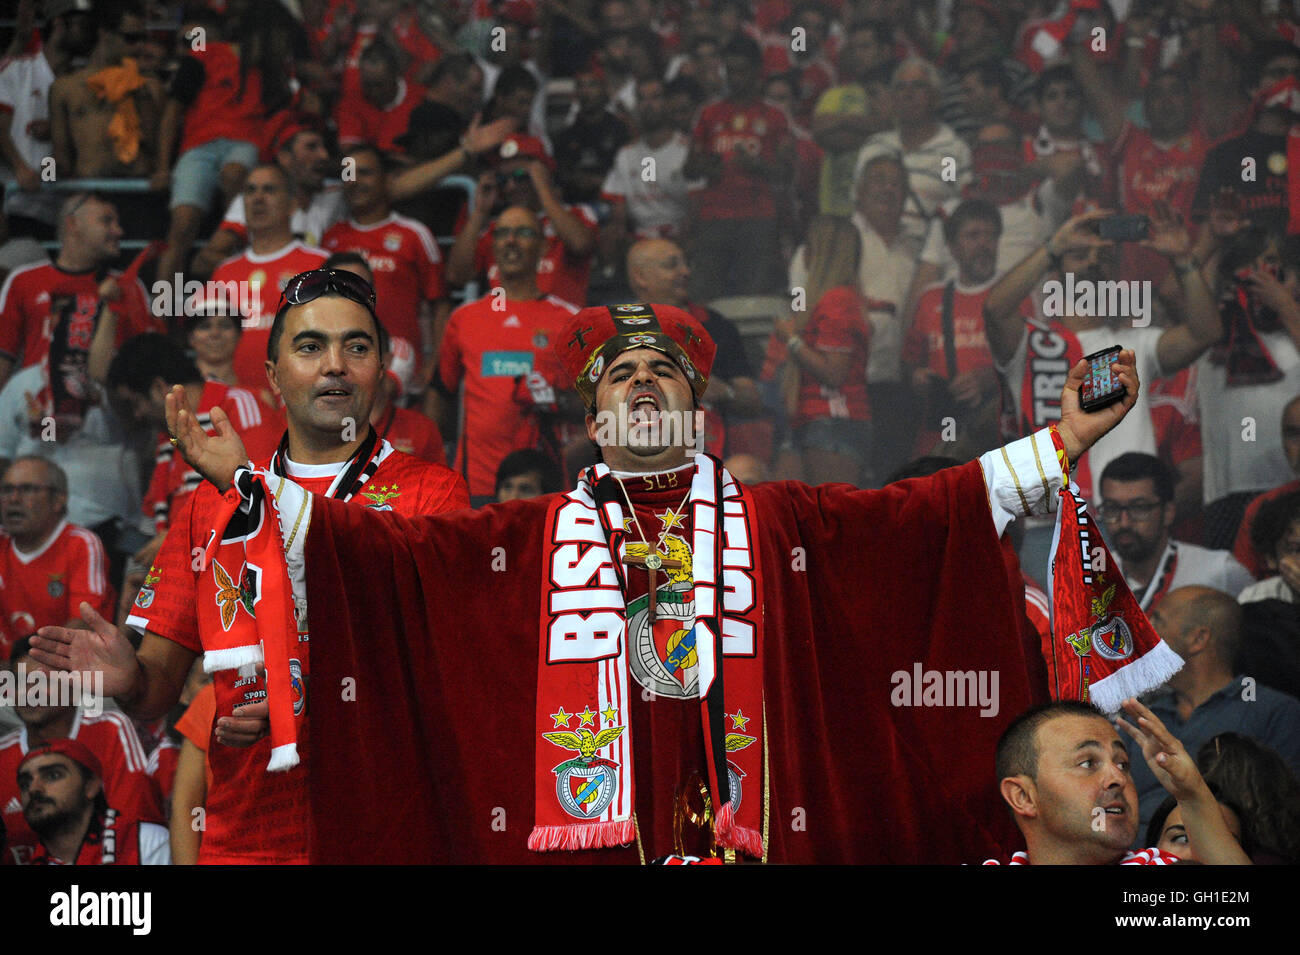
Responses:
[1021,795]
[94,786]
[273,377]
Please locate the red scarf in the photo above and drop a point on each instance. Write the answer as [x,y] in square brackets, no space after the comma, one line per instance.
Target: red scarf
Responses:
[1103,649]
[593,642]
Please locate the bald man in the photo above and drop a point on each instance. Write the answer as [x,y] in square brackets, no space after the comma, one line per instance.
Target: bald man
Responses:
[1242,549]
[657,273]
[1207,696]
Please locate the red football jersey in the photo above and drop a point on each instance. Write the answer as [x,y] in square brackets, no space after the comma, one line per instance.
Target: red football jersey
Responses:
[173,479]
[116,839]
[267,276]
[923,347]
[1149,172]
[360,121]
[35,297]
[492,351]
[407,266]
[161,767]
[725,129]
[558,272]
[254,815]
[412,433]
[127,784]
[46,587]
[227,106]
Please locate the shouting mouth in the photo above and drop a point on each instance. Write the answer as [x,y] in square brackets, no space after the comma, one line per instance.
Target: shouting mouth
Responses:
[645,410]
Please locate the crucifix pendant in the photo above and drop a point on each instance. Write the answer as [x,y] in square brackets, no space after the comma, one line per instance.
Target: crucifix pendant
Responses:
[652,562]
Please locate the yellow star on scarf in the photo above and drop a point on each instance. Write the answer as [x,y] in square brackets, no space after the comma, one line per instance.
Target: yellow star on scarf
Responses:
[739,719]
[586,717]
[627,523]
[670,519]
[562,718]
[609,713]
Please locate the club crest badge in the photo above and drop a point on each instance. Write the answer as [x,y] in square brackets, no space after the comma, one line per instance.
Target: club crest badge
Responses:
[379,498]
[231,596]
[735,742]
[662,658]
[299,687]
[586,785]
[144,599]
[392,241]
[55,586]
[642,339]
[1111,636]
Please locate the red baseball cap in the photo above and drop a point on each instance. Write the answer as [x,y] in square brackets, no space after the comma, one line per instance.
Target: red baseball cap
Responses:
[521,145]
[596,336]
[77,752]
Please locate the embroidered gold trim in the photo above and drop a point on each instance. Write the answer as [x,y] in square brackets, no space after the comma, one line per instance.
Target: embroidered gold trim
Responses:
[1042,476]
[1024,502]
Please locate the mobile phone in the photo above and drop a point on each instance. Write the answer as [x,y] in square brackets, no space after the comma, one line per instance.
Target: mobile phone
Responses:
[1124,228]
[1101,387]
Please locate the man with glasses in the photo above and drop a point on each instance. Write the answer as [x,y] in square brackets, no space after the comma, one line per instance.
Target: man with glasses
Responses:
[1137,511]
[324,359]
[523,177]
[47,565]
[496,348]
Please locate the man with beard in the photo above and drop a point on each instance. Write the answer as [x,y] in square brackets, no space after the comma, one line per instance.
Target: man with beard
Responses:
[1137,510]
[106,733]
[1034,340]
[747,662]
[1063,771]
[62,790]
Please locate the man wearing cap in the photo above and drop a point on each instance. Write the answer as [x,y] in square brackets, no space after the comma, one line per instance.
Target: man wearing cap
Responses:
[62,789]
[205,594]
[121,763]
[661,661]
[523,177]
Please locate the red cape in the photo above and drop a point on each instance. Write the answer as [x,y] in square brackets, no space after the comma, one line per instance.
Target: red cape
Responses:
[426,753]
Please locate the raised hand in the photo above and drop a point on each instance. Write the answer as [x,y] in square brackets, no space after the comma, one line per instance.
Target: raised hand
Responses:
[1169,235]
[216,457]
[1079,232]
[1171,764]
[101,649]
[1081,429]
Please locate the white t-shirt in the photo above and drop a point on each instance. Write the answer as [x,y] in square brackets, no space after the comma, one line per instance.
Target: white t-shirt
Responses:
[25,83]
[658,207]
[1136,431]
[1233,461]
[327,207]
[1193,567]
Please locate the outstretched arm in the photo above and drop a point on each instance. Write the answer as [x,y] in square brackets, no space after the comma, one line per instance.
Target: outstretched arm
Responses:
[1176,770]
[146,683]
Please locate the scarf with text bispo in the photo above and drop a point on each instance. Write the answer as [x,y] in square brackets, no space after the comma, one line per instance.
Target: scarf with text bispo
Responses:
[593,642]
[245,573]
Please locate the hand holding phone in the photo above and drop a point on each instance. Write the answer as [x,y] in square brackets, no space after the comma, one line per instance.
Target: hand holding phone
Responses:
[1101,388]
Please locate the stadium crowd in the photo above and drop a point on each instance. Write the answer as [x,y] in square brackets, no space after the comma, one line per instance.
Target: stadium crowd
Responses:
[901,222]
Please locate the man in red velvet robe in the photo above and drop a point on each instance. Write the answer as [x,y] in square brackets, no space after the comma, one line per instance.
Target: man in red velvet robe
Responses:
[490,687]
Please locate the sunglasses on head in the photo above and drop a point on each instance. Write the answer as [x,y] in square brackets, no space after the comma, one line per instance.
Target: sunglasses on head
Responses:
[308,286]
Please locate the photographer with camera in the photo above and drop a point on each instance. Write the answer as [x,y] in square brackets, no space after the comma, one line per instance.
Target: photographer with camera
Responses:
[523,176]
